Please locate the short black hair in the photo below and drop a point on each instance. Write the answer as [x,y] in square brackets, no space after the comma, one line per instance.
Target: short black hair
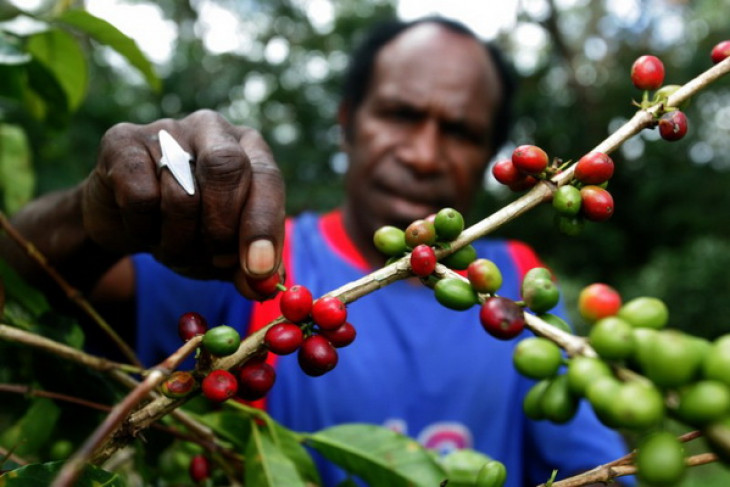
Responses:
[362,64]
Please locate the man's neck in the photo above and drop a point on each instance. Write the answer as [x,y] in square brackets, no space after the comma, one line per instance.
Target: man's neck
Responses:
[361,238]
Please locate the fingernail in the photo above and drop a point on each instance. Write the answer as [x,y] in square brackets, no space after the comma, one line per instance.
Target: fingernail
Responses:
[261,257]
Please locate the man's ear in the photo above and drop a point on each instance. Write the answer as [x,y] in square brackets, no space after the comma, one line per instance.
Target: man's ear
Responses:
[343,118]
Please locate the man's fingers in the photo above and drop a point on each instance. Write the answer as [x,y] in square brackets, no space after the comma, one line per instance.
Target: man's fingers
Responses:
[224,175]
[125,180]
[262,219]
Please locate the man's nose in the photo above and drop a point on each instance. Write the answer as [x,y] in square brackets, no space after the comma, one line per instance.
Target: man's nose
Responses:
[423,151]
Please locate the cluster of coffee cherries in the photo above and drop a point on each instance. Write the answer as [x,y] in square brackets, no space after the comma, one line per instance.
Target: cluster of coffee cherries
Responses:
[586,198]
[665,373]
[421,238]
[647,74]
[313,328]
[527,165]
[250,381]
[501,317]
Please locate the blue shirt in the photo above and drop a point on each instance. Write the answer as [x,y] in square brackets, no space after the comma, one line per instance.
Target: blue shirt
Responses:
[415,366]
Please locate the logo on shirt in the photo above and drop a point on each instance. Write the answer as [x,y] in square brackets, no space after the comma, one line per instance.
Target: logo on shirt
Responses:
[442,436]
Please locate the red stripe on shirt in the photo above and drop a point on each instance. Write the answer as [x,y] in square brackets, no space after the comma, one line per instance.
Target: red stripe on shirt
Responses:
[523,256]
[333,229]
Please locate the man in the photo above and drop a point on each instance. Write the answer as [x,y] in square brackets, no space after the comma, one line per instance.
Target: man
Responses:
[423,113]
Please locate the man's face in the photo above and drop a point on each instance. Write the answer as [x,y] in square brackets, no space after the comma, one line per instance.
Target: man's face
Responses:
[420,141]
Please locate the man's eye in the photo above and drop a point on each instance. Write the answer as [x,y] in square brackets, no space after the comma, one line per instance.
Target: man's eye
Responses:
[404,115]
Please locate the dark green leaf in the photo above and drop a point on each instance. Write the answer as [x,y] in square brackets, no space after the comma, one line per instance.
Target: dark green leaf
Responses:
[105,33]
[61,54]
[46,99]
[14,81]
[17,178]
[266,463]
[33,430]
[43,474]
[378,455]
[16,289]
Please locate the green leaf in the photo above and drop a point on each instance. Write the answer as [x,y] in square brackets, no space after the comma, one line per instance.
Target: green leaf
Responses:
[230,425]
[61,54]
[266,463]
[33,430]
[46,98]
[14,81]
[17,290]
[17,178]
[44,473]
[378,455]
[105,33]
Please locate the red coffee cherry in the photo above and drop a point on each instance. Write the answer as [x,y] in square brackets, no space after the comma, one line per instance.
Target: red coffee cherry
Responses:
[199,469]
[179,384]
[219,385]
[505,172]
[267,287]
[673,125]
[647,73]
[296,303]
[502,318]
[597,301]
[720,51]
[317,356]
[596,203]
[423,260]
[530,159]
[594,168]
[524,184]
[191,324]
[283,338]
[484,276]
[255,380]
[341,336]
[329,312]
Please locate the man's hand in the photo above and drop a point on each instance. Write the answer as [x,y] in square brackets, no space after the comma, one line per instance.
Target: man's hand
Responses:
[232,227]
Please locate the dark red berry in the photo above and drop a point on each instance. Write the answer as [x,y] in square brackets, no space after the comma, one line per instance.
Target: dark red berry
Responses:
[191,324]
[283,338]
[673,125]
[296,303]
[530,159]
[199,468]
[596,203]
[255,380]
[720,51]
[219,385]
[502,318]
[505,172]
[341,336]
[329,312]
[647,73]
[423,260]
[267,287]
[594,168]
[523,184]
[317,356]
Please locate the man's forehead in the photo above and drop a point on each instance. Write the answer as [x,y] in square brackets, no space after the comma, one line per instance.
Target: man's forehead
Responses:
[429,59]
